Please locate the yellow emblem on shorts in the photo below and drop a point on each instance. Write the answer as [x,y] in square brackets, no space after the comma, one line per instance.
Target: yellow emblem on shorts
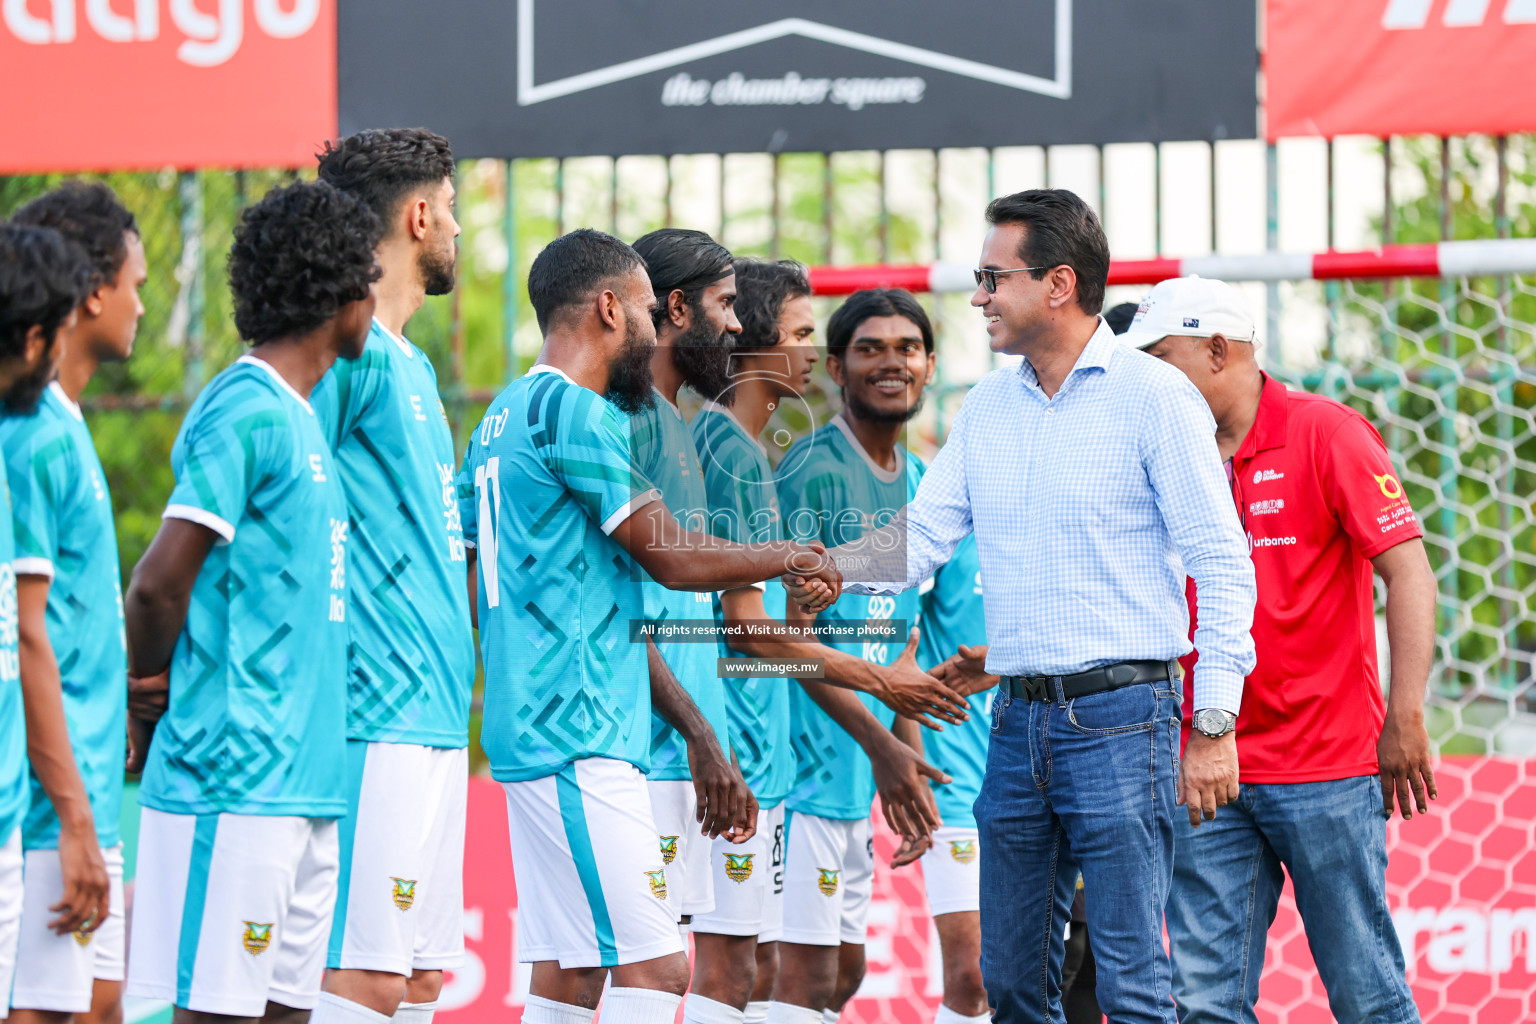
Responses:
[827,883]
[738,866]
[963,850]
[658,880]
[82,936]
[404,892]
[668,849]
[257,937]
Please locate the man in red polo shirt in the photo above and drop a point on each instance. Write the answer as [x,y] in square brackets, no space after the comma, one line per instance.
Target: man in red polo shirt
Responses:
[1322,763]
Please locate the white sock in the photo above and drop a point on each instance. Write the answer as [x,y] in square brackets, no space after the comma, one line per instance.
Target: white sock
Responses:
[947,1016]
[789,1013]
[699,1009]
[640,1006]
[415,1013]
[538,1010]
[757,1012]
[332,1009]
[829,1015]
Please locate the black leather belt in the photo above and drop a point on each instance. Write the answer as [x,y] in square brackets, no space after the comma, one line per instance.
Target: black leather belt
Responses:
[1095,680]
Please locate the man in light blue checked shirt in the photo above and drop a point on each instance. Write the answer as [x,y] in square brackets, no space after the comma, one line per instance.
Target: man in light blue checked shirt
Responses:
[1090,477]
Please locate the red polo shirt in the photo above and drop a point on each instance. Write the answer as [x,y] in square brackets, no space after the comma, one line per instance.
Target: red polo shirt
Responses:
[1318,497]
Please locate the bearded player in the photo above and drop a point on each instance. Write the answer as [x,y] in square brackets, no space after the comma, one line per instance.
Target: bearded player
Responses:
[410,660]
[695,288]
[560,516]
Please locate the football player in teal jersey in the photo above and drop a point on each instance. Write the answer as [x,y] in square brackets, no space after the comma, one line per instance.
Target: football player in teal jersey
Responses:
[848,477]
[243,596]
[43,279]
[737,944]
[411,659]
[74,664]
[695,287]
[954,624]
[560,516]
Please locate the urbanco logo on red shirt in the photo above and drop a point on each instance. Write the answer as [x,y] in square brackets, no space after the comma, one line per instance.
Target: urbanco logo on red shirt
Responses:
[141,84]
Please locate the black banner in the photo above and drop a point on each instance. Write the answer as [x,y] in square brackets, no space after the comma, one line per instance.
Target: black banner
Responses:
[517,78]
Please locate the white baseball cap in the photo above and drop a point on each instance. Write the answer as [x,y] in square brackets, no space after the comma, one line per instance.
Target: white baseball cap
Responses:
[1190,307]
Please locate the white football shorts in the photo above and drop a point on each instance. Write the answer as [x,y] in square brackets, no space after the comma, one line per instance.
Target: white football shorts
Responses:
[828,878]
[400,898]
[58,972]
[684,849]
[591,886]
[952,871]
[232,910]
[749,883]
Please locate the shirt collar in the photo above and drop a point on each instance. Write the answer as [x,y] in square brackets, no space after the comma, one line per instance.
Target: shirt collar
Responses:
[399,341]
[546,368]
[667,402]
[1095,355]
[710,405]
[1269,425]
[281,381]
[886,476]
[69,403]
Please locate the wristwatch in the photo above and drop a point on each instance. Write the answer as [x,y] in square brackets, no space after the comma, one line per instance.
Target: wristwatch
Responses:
[1214,723]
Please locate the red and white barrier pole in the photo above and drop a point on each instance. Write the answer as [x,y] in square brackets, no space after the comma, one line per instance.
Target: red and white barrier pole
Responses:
[1485,258]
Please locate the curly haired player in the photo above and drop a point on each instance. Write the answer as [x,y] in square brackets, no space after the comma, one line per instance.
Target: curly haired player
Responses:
[242,595]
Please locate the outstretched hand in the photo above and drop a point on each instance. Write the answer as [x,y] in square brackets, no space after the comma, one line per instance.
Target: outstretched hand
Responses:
[814,581]
[915,694]
[966,670]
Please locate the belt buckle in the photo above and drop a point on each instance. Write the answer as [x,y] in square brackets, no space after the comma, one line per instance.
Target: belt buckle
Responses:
[1038,688]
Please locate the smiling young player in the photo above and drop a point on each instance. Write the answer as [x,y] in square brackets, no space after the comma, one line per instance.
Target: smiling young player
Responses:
[70,602]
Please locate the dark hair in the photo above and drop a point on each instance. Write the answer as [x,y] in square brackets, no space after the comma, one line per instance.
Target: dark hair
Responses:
[42,278]
[300,255]
[681,259]
[762,289]
[1119,318]
[1061,230]
[88,214]
[382,166]
[872,302]
[574,266]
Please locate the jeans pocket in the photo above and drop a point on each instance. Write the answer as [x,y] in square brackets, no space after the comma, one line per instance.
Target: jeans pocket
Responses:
[1000,702]
[1129,709]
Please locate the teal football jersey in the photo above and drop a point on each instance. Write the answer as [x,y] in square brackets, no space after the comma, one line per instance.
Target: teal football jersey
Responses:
[258,702]
[664,453]
[953,615]
[831,491]
[64,530]
[744,507]
[411,655]
[547,476]
[13,722]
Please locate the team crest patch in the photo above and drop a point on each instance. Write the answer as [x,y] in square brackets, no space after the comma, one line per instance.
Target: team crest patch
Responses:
[668,849]
[82,936]
[963,850]
[738,866]
[658,880]
[827,883]
[404,892]
[257,938]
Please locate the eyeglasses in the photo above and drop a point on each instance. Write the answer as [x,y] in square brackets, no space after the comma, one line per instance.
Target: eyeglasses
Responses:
[988,278]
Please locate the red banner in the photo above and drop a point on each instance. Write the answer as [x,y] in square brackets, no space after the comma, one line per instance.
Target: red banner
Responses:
[1391,67]
[144,84]
[1462,888]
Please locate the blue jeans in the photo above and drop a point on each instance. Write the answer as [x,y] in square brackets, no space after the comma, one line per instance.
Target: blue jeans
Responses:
[1332,838]
[1086,785]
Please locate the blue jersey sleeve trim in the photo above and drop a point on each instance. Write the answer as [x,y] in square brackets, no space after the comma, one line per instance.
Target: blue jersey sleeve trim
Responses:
[201,517]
